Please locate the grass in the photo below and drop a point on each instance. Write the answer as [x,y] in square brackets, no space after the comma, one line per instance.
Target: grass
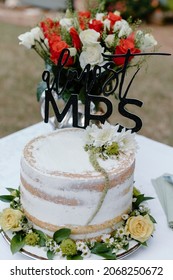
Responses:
[21,69]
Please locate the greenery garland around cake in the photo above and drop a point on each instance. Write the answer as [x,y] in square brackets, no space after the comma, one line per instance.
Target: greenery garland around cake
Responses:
[137,225]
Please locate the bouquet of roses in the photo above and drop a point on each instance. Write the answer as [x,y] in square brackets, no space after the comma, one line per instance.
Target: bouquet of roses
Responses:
[89,39]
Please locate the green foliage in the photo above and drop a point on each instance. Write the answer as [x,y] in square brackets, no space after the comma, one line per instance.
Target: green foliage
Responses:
[140,199]
[104,251]
[50,255]
[61,234]
[7,198]
[17,242]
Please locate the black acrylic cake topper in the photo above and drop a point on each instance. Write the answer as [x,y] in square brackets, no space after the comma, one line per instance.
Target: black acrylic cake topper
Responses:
[72,75]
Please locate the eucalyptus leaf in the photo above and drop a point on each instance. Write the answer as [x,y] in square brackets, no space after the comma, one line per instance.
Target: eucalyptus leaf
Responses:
[50,255]
[61,234]
[17,243]
[7,198]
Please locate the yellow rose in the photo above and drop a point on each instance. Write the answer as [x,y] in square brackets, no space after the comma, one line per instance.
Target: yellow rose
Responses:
[139,227]
[9,219]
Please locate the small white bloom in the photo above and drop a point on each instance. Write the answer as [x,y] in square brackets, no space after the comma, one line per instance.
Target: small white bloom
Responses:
[109,41]
[100,16]
[27,40]
[89,37]
[107,24]
[66,23]
[86,253]
[148,42]
[125,216]
[80,245]
[37,33]
[123,27]
[92,55]
[120,232]
[105,238]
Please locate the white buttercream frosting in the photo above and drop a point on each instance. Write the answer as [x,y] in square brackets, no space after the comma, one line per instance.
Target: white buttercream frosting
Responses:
[60,187]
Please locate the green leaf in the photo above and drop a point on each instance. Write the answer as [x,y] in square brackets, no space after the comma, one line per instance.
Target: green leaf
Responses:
[61,234]
[100,248]
[140,199]
[50,255]
[108,255]
[76,257]
[152,219]
[17,243]
[10,190]
[17,192]
[6,198]
[144,244]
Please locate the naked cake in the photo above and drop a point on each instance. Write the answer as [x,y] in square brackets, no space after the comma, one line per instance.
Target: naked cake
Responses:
[61,187]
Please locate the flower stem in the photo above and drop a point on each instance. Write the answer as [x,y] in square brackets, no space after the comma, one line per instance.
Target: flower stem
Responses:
[97,167]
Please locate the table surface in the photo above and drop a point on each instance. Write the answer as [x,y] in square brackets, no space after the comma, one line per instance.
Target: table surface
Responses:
[153,159]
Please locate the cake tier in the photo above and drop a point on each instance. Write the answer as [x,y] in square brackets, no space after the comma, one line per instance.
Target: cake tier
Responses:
[60,188]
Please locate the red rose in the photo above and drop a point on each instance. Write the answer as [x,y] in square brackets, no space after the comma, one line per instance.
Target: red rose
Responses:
[56,48]
[49,27]
[113,18]
[123,47]
[97,25]
[84,18]
[75,38]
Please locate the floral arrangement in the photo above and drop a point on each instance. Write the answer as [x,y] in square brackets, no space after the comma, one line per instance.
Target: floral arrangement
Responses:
[106,141]
[88,36]
[137,225]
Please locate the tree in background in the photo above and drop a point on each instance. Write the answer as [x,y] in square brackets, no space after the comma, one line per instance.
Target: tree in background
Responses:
[137,9]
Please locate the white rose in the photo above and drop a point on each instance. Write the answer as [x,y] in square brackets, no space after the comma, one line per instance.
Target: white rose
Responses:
[66,22]
[27,40]
[37,33]
[100,16]
[123,27]
[91,55]
[89,36]
[148,42]
[10,219]
[109,41]
[107,24]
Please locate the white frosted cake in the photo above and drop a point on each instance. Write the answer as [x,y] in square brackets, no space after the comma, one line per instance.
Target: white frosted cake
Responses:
[61,188]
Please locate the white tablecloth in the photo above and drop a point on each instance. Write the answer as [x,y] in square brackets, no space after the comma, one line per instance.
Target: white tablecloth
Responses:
[152,160]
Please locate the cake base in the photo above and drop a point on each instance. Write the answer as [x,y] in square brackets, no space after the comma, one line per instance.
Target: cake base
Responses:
[38,253]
